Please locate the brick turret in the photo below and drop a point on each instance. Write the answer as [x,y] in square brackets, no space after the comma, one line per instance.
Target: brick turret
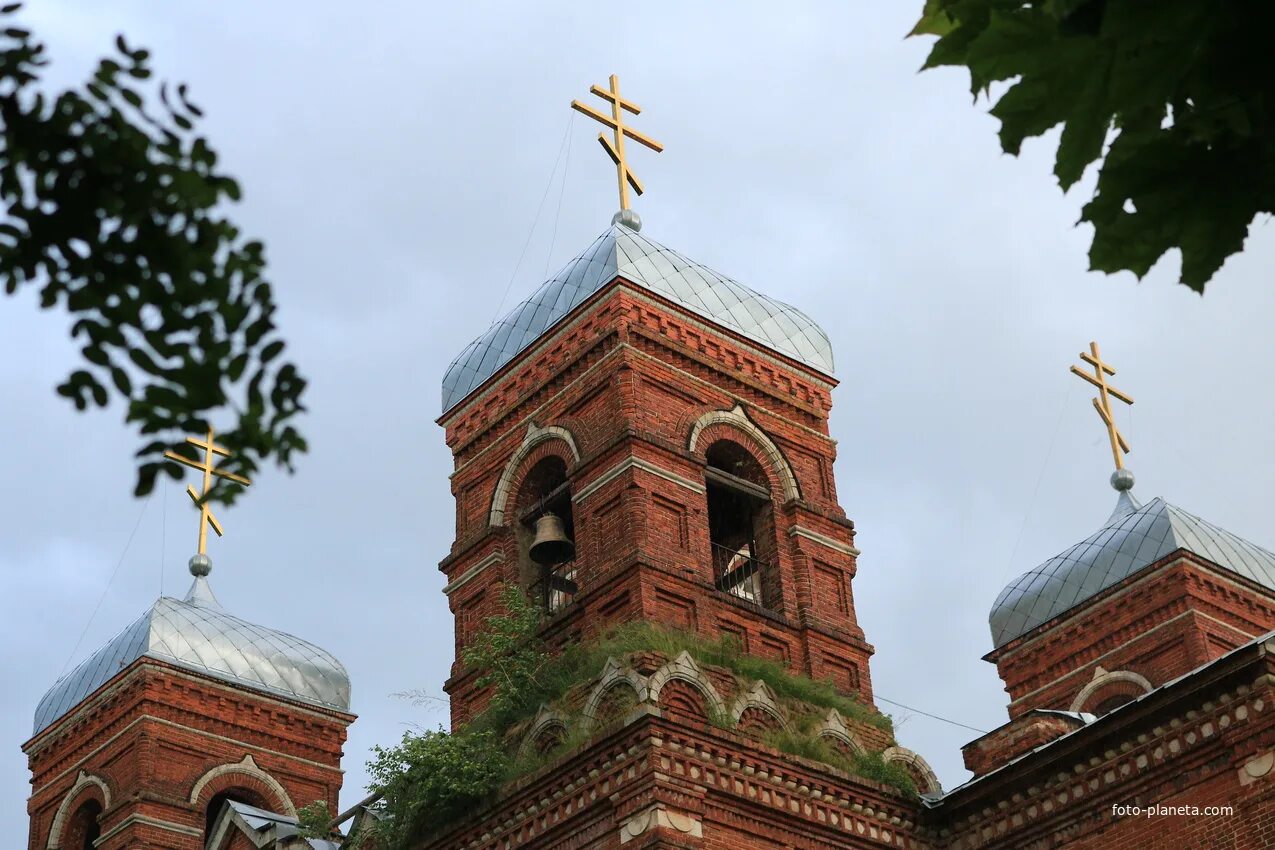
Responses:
[143,744]
[687,450]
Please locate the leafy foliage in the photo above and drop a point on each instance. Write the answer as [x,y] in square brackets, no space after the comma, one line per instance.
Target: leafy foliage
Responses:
[514,661]
[313,820]
[429,779]
[1185,90]
[112,207]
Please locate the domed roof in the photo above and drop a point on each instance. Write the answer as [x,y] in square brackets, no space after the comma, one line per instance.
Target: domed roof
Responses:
[198,634]
[1133,537]
[622,252]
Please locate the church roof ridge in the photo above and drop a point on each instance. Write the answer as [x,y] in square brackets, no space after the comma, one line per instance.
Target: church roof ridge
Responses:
[198,634]
[621,251]
[1133,537]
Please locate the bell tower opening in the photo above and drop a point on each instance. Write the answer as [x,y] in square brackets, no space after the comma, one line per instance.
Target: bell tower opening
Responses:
[741,525]
[85,827]
[545,529]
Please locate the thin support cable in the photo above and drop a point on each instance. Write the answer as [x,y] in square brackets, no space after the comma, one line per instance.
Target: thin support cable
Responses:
[548,185]
[163,533]
[1031,504]
[109,582]
[562,191]
[932,716]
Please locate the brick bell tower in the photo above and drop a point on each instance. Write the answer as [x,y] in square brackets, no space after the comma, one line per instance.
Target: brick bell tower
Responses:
[148,742]
[675,423]
[644,439]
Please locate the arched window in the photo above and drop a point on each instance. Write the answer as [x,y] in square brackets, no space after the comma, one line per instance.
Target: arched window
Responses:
[84,827]
[219,800]
[1111,703]
[741,525]
[545,527]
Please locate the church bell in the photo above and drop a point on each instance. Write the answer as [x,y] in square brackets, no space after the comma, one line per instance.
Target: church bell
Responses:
[551,544]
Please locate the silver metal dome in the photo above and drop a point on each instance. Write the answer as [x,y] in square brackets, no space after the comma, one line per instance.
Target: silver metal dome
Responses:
[1134,536]
[196,633]
[623,252]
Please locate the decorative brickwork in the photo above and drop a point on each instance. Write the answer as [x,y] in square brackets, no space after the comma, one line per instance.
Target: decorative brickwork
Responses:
[630,392]
[1159,623]
[156,745]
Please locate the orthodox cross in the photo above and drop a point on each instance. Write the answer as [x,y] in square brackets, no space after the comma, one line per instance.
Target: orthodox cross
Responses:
[208,467]
[1102,403]
[615,147]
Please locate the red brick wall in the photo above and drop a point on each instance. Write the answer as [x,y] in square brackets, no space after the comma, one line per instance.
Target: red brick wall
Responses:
[1186,746]
[154,730]
[1159,623]
[628,376]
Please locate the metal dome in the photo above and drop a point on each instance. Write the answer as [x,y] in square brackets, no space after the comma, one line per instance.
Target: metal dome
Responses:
[622,252]
[1133,537]
[196,633]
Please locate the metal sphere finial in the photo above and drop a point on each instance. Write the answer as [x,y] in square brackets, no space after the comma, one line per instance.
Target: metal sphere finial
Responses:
[200,565]
[1122,479]
[629,219]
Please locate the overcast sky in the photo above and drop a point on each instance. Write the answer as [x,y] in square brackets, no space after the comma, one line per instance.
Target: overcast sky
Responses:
[392,158]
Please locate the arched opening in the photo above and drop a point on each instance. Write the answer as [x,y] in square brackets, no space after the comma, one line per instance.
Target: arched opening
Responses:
[1111,703]
[84,827]
[545,528]
[741,525]
[1110,689]
[219,800]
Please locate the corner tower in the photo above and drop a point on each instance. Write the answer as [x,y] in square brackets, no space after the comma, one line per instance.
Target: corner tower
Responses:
[148,742]
[1154,594]
[676,422]
[188,707]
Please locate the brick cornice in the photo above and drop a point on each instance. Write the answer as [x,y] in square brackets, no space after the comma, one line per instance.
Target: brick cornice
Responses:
[1115,592]
[1181,729]
[598,302]
[1140,636]
[708,773]
[150,718]
[134,676]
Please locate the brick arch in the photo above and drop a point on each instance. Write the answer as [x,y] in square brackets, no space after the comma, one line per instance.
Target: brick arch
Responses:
[534,437]
[684,669]
[545,725]
[1106,684]
[729,424]
[927,782]
[843,742]
[613,676]
[757,708]
[87,787]
[243,774]
[836,731]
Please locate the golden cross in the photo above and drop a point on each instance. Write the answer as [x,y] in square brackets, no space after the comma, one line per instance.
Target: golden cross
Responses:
[208,467]
[615,149]
[1102,404]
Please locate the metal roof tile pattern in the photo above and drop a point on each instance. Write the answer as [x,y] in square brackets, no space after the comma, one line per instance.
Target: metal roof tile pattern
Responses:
[198,634]
[623,252]
[1133,537]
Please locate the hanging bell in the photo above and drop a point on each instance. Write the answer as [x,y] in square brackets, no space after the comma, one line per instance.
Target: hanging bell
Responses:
[551,544]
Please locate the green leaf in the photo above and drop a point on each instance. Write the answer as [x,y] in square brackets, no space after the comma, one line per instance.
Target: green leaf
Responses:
[271,351]
[169,286]
[121,380]
[1083,135]
[1179,87]
[934,20]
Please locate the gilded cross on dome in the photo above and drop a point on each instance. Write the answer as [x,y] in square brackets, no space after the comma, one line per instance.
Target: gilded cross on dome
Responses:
[208,466]
[1102,403]
[615,146]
